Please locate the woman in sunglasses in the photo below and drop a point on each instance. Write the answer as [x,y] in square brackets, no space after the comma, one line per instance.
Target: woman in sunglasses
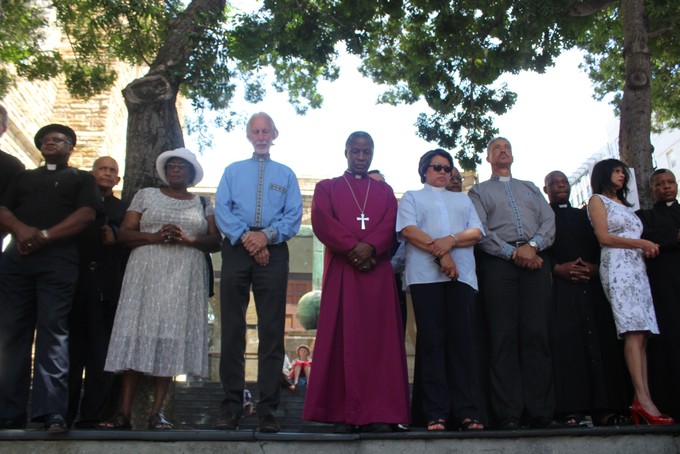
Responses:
[441,227]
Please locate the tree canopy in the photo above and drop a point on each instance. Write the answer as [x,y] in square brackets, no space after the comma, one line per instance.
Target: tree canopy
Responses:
[449,53]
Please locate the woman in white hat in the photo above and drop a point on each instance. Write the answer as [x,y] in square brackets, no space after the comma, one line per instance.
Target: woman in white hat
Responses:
[161,322]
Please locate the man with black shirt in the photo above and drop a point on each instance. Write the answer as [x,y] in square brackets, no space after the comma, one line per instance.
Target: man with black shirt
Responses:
[662,226]
[102,264]
[44,209]
[589,369]
[9,165]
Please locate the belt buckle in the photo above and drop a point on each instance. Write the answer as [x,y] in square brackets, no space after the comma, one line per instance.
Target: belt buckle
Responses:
[519,244]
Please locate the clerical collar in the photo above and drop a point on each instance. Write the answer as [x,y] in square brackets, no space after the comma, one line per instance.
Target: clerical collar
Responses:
[501,178]
[666,204]
[261,156]
[357,176]
[560,205]
[434,188]
[53,167]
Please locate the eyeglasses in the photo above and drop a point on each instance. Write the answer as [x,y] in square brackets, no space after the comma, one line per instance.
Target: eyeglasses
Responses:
[459,178]
[177,165]
[54,140]
[439,167]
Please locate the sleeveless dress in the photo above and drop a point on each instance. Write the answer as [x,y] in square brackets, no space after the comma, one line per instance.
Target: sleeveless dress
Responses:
[624,275]
[161,325]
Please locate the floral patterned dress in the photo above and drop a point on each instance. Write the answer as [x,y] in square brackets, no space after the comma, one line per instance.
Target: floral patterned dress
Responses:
[161,325]
[623,274]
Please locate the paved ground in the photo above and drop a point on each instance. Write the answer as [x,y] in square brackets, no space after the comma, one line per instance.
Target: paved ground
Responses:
[619,440]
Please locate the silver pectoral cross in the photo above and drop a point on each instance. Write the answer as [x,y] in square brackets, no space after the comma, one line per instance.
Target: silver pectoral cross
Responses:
[363,220]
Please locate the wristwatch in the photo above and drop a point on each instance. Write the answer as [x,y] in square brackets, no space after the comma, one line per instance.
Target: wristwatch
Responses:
[534,245]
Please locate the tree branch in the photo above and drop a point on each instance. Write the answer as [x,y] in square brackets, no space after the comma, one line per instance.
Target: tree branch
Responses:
[182,32]
[588,8]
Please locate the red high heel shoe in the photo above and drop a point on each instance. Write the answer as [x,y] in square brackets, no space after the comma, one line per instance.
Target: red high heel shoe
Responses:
[640,413]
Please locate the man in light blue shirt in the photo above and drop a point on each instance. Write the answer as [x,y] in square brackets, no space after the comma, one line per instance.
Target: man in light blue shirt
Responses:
[258,207]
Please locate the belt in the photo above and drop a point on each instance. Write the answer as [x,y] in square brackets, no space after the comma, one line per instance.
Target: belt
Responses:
[517,243]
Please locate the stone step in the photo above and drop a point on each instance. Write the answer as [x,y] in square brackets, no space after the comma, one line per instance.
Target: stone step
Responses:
[197,405]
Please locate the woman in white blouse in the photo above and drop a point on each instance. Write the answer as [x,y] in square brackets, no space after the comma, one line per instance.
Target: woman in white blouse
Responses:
[441,228]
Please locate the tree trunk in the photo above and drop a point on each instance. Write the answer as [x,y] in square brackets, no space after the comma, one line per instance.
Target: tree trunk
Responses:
[153,124]
[153,127]
[635,146]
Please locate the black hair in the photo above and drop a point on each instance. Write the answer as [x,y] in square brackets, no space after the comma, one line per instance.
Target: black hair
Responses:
[359,135]
[601,179]
[658,172]
[426,159]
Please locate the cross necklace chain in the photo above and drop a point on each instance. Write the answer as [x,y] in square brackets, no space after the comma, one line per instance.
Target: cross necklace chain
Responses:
[361,218]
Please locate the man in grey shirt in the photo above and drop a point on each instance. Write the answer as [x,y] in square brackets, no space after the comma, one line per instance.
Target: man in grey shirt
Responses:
[515,284]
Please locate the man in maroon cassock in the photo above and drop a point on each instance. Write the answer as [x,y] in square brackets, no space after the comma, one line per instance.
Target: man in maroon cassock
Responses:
[360,379]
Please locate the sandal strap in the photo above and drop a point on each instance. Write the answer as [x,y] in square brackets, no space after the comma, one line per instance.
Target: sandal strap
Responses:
[119,421]
[158,421]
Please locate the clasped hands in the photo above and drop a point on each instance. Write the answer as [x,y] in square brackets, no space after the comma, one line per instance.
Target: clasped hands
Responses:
[256,245]
[440,248]
[526,256]
[577,271]
[29,239]
[361,257]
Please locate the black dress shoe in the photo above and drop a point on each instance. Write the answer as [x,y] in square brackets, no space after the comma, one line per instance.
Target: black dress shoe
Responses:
[227,421]
[55,424]
[509,425]
[13,424]
[268,424]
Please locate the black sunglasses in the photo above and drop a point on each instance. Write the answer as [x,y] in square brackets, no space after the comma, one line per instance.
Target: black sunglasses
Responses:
[439,167]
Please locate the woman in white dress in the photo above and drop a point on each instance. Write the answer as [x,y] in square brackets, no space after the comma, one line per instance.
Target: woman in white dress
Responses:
[624,278]
[161,322]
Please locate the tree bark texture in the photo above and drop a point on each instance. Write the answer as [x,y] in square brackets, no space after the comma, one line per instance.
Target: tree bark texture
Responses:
[153,127]
[635,146]
[153,123]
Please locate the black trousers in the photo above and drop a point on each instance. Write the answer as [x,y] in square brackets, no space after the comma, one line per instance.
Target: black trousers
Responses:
[516,303]
[446,351]
[36,292]
[269,285]
[90,325]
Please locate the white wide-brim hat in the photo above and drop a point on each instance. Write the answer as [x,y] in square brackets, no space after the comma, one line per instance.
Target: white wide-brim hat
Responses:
[179,153]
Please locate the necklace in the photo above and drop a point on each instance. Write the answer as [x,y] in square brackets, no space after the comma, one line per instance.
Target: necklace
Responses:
[361,218]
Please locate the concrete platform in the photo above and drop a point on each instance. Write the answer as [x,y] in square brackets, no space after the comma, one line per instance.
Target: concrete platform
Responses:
[619,440]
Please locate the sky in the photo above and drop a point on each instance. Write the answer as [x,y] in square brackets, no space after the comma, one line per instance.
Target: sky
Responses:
[554,125]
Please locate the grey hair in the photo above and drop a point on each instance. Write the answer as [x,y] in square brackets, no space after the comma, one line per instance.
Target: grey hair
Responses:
[265,115]
[496,139]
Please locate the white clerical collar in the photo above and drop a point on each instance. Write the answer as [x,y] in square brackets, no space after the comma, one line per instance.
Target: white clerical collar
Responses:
[563,205]
[358,176]
[670,203]
[51,167]
[434,188]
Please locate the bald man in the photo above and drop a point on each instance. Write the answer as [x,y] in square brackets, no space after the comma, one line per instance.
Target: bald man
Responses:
[588,365]
[102,263]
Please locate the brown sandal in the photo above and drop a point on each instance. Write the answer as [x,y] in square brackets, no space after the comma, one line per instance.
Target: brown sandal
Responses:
[436,425]
[470,424]
[158,422]
[119,421]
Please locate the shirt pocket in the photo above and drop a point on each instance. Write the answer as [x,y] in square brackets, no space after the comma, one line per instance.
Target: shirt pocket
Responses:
[276,193]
